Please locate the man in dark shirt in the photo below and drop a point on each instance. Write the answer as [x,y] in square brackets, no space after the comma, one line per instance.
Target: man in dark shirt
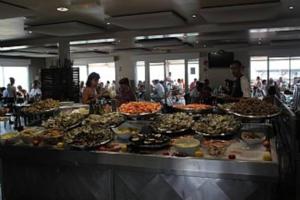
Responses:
[241,85]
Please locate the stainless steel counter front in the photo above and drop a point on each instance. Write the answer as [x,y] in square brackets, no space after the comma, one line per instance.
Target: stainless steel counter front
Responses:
[30,173]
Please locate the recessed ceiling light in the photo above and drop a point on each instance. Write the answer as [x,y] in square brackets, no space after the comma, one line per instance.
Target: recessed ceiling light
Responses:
[291,7]
[259,42]
[62,9]
[194,16]
[107,23]
[30,32]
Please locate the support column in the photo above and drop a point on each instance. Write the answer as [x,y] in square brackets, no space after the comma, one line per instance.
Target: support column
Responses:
[147,80]
[186,75]
[64,53]
[124,61]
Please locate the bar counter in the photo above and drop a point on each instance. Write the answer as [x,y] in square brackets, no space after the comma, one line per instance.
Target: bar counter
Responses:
[39,173]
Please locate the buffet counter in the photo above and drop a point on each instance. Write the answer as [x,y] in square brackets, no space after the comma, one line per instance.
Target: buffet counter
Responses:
[38,173]
[140,153]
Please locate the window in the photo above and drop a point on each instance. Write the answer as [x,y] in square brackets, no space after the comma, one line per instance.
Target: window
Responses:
[259,67]
[140,71]
[83,72]
[20,74]
[106,71]
[295,69]
[157,71]
[177,69]
[287,68]
[279,67]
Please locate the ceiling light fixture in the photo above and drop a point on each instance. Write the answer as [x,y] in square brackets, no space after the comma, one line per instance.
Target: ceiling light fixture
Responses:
[107,23]
[291,7]
[259,42]
[30,32]
[62,9]
[13,48]
[194,16]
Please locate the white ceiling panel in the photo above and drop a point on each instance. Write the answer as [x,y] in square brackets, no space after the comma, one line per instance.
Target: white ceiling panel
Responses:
[12,28]
[66,29]
[149,20]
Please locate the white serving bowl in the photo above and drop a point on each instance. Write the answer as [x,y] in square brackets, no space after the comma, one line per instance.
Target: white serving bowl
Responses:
[186,145]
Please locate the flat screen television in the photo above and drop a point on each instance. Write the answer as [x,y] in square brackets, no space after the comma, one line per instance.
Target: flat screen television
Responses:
[220,59]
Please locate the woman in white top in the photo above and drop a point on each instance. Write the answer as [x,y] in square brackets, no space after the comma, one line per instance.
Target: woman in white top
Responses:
[35,91]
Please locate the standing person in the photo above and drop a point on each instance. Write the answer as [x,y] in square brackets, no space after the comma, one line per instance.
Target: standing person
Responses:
[125,93]
[102,90]
[241,86]
[107,85]
[193,84]
[196,92]
[113,85]
[90,91]
[158,91]
[280,83]
[35,92]
[2,89]
[207,86]
[81,88]
[257,86]
[180,86]
[169,78]
[183,84]
[11,89]
[264,87]
[21,92]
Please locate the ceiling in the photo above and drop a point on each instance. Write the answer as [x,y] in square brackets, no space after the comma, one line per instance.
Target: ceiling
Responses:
[184,24]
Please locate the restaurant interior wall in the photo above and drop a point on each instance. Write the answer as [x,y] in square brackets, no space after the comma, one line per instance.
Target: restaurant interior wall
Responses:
[218,75]
[35,68]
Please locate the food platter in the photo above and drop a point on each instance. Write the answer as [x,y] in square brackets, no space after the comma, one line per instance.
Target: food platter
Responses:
[84,147]
[149,141]
[173,124]
[87,137]
[216,126]
[64,121]
[42,112]
[140,109]
[41,107]
[252,108]
[144,115]
[112,120]
[194,108]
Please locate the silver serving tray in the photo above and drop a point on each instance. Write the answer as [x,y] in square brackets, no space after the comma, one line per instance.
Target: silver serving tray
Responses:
[255,116]
[140,115]
[194,111]
[90,147]
[42,112]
